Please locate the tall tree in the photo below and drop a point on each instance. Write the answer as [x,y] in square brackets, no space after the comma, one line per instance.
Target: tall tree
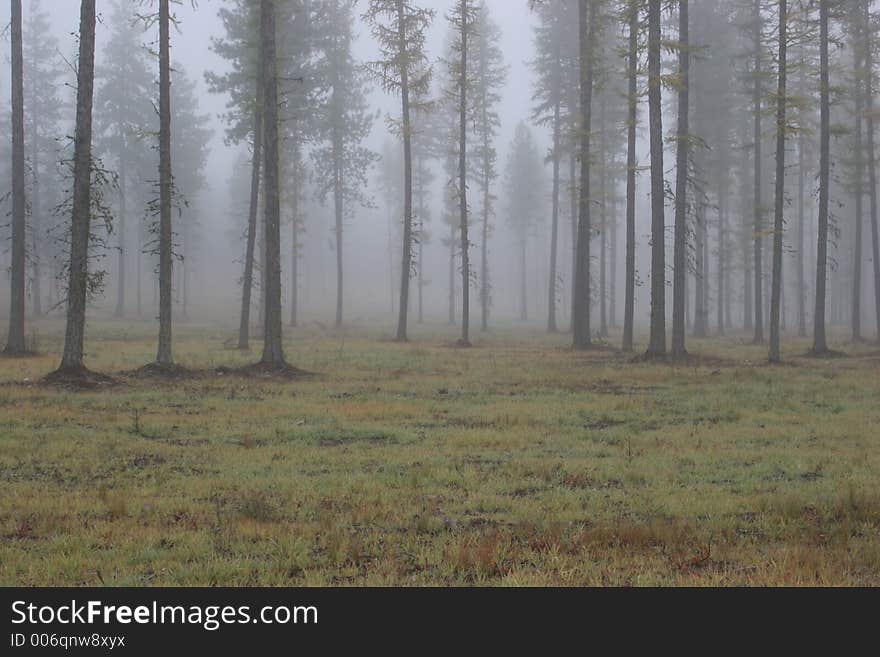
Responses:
[524,197]
[548,98]
[164,356]
[344,122]
[400,28]
[631,15]
[870,44]
[273,351]
[15,344]
[123,115]
[582,283]
[45,108]
[489,76]
[779,204]
[72,358]
[657,344]
[757,94]
[244,86]
[820,344]
[681,183]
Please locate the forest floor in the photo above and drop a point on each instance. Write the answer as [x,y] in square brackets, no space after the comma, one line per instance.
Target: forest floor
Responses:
[517,462]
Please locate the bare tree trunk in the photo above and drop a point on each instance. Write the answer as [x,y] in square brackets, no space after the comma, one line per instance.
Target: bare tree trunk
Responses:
[603,221]
[679,290]
[758,227]
[164,356]
[123,210]
[859,198]
[273,352]
[452,274]
[581,312]
[485,280]
[612,256]
[36,218]
[872,165]
[15,344]
[248,279]
[722,254]
[700,300]
[632,120]
[464,341]
[72,359]
[657,345]
[801,272]
[294,247]
[554,224]
[820,345]
[421,256]
[779,205]
[407,180]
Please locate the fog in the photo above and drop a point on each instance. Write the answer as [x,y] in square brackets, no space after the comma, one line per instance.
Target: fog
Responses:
[216,209]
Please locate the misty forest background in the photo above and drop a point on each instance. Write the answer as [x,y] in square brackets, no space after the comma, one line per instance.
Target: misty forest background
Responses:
[759,216]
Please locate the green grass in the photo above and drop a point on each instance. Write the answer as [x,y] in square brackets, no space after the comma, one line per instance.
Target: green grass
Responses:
[517,462]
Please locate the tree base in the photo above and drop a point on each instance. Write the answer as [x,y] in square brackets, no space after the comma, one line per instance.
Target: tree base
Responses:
[78,378]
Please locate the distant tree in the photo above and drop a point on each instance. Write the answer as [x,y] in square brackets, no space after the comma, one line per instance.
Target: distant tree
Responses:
[548,98]
[15,342]
[243,85]
[488,77]
[400,28]
[42,71]
[524,198]
[124,115]
[341,161]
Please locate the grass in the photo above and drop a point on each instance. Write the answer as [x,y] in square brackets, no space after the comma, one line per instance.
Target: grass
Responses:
[517,462]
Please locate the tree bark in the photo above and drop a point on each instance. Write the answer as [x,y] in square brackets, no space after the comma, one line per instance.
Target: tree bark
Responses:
[858,192]
[164,356]
[820,345]
[679,290]
[872,164]
[581,311]
[273,352]
[657,345]
[758,225]
[248,278]
[462,181]
[72,359]
[36,212]
[407,179]
[633,108]
[15,344]
[779,205]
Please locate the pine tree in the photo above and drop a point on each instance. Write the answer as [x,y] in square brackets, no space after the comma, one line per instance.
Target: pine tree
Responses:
[341,162]
[400,27]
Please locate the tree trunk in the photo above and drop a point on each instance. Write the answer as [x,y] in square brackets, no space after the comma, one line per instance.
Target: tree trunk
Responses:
[657,345]
[581,311]
[452,274]
[294,246]
[554,222]
[802,220]
[700,300]
[72,359]
[36,211]
[722,253]
[859,192]
[779,205]
[872,165]
[633,108]
[123,210]
[248,279]
[820,345]
[407,178]
[462,180]
[758,226]
[420,167]
[15,344]
[679,290]
[273,352]
[164,356]
[603,222]
[485,280]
